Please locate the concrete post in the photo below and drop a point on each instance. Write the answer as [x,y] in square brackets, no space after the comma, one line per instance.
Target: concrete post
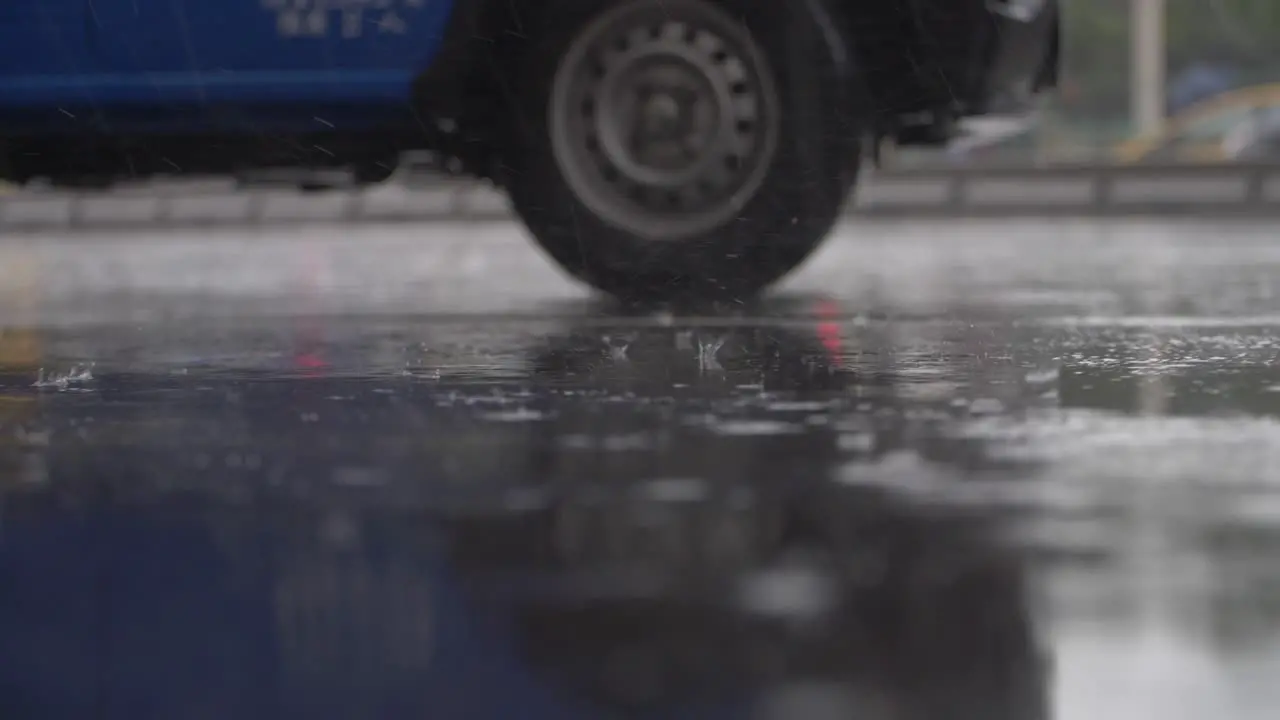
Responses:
[1147,67]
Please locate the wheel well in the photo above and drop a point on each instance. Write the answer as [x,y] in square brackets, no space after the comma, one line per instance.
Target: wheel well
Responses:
[898,72]
[482,40]
[467,90]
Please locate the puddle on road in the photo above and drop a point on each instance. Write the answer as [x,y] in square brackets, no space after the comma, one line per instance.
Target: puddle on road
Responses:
[950,520]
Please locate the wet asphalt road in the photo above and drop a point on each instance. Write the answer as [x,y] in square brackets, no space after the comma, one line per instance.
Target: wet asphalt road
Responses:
[966,470]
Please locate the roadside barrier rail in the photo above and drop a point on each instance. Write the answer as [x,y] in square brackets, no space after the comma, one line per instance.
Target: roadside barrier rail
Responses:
[1213,190]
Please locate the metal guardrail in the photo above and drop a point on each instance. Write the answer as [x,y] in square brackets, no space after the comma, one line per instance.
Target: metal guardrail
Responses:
[211,204]
[1215,190]
[1218,190]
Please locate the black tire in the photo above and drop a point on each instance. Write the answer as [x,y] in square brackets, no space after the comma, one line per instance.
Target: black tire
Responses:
[820,118]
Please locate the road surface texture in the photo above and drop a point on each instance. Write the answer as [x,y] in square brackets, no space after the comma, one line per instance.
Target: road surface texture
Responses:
[970,471]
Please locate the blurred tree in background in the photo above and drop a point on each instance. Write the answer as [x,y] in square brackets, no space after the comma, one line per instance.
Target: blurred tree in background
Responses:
[1212,45]
[1244,32]
[1238,39]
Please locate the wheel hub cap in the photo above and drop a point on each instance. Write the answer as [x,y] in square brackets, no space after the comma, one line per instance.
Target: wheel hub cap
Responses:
[663,122]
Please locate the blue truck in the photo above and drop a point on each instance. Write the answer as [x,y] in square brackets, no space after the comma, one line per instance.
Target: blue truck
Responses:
[653,148]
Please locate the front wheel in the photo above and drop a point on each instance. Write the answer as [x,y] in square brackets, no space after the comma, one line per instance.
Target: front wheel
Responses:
[670,148]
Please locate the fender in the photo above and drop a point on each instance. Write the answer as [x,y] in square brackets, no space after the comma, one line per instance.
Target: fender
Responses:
[834,36]
[471,35]
[466,60]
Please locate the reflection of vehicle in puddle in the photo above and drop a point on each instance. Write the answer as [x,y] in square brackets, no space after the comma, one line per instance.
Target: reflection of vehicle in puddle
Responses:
[717,575]
[190,607]
[620,399]
[19,349]
[739,603]
[649,360]
[388,546]
[22,441]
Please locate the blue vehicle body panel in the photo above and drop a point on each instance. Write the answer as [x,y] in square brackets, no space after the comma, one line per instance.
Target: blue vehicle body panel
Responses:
[187,65]
[43,42]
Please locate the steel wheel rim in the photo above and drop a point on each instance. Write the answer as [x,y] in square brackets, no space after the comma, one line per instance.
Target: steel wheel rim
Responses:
[664,118]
